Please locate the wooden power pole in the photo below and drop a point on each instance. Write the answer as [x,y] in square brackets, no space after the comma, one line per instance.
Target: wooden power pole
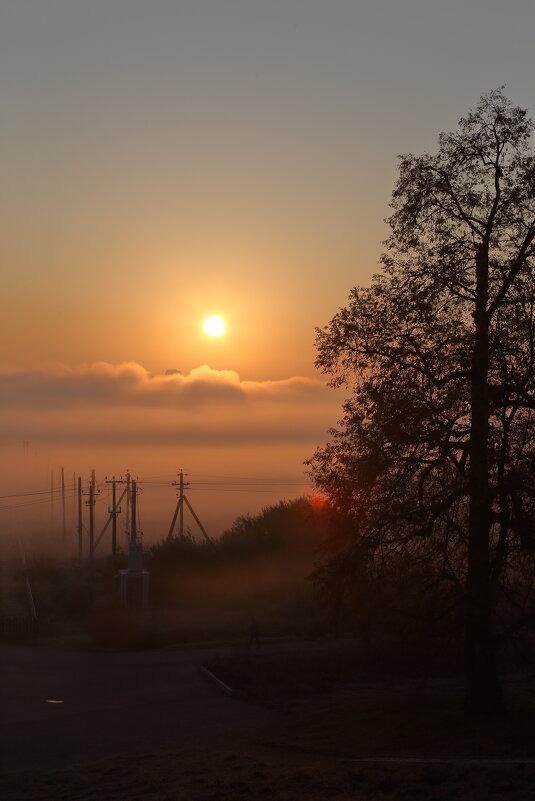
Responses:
[91,518]
[63,515]
[133,530]
[179,510]
[80,523]
[93,492]
[112,515]
[128,504]
[113,512]
[51,502]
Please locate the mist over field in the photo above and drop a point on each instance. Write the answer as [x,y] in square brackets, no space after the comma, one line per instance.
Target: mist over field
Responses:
[226,483]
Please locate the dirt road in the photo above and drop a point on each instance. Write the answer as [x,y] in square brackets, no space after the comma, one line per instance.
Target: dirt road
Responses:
[110,703]
[148,726]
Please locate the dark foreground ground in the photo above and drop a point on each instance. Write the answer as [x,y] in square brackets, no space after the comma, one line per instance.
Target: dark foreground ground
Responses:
[149,726]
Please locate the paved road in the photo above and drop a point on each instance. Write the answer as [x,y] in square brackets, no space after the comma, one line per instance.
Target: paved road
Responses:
[111,703]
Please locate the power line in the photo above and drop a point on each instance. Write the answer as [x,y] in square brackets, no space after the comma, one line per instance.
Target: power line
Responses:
[23,505]
[218,484]
[217,481]
[37,492]
[229,489]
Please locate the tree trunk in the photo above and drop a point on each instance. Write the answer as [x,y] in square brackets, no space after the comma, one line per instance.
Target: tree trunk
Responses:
[483,689]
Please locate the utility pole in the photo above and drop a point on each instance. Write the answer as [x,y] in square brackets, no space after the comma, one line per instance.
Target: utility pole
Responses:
[179,510]
[91,517]
[113,512]
[63,519]
[181,495]
[51,502]
[114,521]
[133,531]
[134,582]
[91,503]
[128,504]
[80,524]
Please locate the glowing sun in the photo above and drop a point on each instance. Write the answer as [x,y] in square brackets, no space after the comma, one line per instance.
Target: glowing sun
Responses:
[214,326]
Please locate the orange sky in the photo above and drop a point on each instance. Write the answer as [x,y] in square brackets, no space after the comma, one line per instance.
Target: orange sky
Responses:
[166,161]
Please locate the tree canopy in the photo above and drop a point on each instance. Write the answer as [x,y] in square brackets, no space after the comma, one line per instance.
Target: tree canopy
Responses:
[434,456]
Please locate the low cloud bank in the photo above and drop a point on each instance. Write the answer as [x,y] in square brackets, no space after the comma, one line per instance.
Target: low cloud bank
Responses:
[129,384]
[124,404]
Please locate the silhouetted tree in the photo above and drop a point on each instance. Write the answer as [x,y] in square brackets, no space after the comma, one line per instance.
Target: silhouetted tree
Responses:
[434,458]
[287,525]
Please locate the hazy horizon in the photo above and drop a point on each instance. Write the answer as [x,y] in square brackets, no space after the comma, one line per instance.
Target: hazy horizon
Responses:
[168,161]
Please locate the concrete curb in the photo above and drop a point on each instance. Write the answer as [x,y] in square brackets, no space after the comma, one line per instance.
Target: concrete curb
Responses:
[220,684]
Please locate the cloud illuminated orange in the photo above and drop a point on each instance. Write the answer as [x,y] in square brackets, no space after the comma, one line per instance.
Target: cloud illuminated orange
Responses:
[124,403]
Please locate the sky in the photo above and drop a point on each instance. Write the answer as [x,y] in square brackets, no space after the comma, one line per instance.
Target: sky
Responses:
[165,160]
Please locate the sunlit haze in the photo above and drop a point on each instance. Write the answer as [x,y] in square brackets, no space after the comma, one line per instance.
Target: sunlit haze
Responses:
[267,393]
[167,162]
